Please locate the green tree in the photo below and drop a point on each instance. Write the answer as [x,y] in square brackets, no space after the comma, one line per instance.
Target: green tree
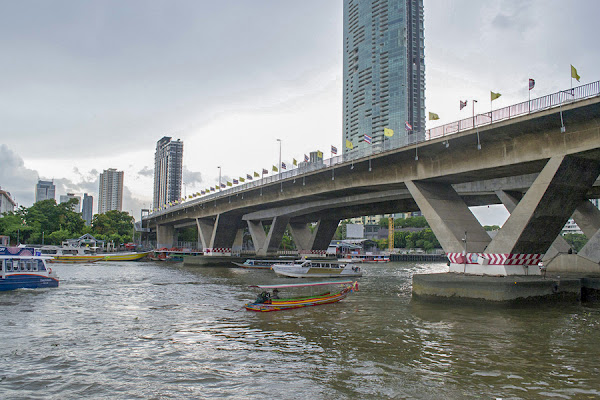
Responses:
[576,240]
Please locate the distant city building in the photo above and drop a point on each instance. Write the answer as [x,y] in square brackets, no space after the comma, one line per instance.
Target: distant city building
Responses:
[45,190]
[571,227]
[384,73]
[110,193]
[7,204]
[168,171]
[65,198]
[87,209]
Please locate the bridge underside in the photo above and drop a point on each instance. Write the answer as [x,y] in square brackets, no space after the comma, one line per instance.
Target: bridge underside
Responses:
[543,177]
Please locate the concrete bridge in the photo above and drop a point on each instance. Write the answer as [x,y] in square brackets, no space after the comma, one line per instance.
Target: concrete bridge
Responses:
[543,166]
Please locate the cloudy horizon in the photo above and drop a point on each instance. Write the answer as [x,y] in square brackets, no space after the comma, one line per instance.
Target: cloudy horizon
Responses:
[94,85]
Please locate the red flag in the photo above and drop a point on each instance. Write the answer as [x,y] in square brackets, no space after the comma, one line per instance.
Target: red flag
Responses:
[463,104]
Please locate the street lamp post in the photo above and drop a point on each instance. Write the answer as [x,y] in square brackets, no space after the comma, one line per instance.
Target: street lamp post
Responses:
[219,178]
[474,101]
[279,167]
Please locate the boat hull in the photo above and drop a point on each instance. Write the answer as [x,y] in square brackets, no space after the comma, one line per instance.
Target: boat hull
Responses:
[27,281]
[302,272]
[287,304]
[125,256]
[71,259]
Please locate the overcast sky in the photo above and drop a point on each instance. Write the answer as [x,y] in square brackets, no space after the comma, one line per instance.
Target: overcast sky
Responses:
[91,85]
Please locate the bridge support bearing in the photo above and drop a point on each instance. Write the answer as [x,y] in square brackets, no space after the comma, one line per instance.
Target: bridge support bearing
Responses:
[165,236]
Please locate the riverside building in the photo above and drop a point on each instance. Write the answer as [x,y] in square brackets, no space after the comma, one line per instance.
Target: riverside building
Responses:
[168,170]
[45,190]
[384,73]
[110,193]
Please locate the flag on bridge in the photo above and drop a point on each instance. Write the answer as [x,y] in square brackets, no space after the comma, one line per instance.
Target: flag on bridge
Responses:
[202,192]
[305,158]
[333,150]
[531,83]
[222,185]
[235,181]
[256,175]
[494,96]
[229,183]
[407,126]
[294,162]
[242,179]
[249,177]
[463,104]
[433,116]
[264,171]
[275,169]
[319,154]
[367,138]
[283,166]
[574,73]
[388,132]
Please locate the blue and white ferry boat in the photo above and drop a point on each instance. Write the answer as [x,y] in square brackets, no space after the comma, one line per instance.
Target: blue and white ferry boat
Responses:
[24,268]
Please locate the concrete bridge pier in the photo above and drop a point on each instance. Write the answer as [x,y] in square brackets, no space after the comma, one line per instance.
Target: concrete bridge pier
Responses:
[319,239]
[218,236]
[165,236]
[268,244]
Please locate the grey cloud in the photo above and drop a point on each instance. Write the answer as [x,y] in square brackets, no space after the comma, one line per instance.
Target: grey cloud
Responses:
[15,178]
[190,177]
[146,171]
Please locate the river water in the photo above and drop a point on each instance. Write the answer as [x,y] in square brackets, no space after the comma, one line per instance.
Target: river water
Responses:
[150,330]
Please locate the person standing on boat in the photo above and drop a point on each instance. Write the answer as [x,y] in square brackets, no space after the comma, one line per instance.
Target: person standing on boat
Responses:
[275,294]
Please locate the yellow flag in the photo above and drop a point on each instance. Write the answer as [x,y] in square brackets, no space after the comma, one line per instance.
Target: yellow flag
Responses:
[388,132]
[433,116]
[494,96]
[229,183]
[319,154]
[256,175]
[574,73]
[242,179]
[275,169]
[349,145]
[294,161]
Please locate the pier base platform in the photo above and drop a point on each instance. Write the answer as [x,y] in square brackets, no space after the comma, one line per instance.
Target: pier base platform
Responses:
[212,261]
[499,289]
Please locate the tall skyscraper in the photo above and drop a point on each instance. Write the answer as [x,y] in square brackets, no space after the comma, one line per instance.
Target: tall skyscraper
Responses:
[69,196]
[168,170]
[45,190]
[110,193]
[86,209]
[384,72]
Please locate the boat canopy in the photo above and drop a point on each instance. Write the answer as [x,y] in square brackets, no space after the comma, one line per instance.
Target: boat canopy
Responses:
[293,285]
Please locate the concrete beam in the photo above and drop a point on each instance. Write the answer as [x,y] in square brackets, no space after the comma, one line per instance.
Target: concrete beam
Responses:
[539,217]
[225,230]
[302,236]
[449,217]
[587,217]
[257,232]
[268,244]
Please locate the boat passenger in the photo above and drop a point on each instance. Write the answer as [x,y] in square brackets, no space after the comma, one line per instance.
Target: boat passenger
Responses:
[275,294]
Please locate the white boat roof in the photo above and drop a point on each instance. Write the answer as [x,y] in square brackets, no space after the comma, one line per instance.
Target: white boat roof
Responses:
[27,257]
[292,285]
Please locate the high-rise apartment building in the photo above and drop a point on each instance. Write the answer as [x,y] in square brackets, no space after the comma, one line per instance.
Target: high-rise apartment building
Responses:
[7,204]
[110,193]
[65,198]
[45,190]
[168,170]
[87,209]
[384,72]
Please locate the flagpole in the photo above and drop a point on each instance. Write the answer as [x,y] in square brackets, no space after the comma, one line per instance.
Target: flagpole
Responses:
[529,101]
[279,166]
[219,178]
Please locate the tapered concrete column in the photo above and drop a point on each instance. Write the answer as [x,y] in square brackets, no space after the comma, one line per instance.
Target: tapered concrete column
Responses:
[225,231]
[257,231]
[510,201]
[165,235]
[205,230]
[323,233]
[303,237]
[271,242]
[449,217]
[553,197]
[587,218]
[238,241]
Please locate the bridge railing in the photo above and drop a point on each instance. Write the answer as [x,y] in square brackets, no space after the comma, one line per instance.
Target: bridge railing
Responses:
[534,105]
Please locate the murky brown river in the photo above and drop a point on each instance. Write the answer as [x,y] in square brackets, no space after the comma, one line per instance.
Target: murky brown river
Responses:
[158,331]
